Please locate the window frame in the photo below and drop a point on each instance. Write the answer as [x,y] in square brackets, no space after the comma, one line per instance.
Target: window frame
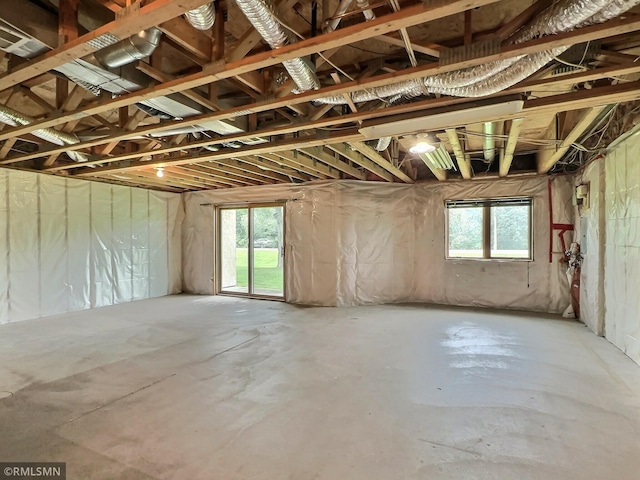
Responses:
[486,204]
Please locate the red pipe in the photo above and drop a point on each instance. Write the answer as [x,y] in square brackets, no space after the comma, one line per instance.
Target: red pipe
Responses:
[563,227]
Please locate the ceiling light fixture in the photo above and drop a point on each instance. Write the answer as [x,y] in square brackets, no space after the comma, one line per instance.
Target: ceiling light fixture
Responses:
[448,117]
[160,172]
[423,144]
[439,159]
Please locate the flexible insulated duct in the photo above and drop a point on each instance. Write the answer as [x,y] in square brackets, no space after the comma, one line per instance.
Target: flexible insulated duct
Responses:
[493,77]
[530,64]
[366,11]
[203,17]
[264,19]
[15,119]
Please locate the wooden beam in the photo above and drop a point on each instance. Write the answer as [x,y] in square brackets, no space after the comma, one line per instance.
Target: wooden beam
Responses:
[440,174]
[506,155]
[319,154]
[193,41]
[517,22]
[359,159]
[135,19]
[431,49]
[244,174]
[275,164]
[463,163]
[378,159]
[404,18]
[611,94]
[306,164]
[590,115]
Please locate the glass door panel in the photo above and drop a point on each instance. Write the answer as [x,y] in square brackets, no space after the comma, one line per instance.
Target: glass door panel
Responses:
[234,250]
[251,255]
[267,251]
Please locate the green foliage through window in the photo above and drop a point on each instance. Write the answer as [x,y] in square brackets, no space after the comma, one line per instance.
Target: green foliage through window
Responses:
[509,223]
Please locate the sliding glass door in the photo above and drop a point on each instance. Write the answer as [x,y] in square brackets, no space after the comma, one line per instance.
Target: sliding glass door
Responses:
[251,250]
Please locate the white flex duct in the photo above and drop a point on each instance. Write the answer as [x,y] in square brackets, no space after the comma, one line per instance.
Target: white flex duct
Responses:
[496,76]
[203,17]
[263,17]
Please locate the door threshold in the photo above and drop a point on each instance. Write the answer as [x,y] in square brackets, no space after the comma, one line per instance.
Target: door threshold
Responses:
[252,296]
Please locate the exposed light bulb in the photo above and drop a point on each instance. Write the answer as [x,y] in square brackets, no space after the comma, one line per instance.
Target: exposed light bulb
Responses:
[422,147]
[160,172]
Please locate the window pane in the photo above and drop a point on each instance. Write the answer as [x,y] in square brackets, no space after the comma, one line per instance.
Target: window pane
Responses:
[510,234]
[465,232]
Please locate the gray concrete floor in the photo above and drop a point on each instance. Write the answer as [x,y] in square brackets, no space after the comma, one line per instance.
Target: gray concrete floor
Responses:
[225,388]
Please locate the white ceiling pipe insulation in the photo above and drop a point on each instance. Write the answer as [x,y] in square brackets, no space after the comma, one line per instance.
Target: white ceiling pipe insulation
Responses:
[496,76]
[203,17]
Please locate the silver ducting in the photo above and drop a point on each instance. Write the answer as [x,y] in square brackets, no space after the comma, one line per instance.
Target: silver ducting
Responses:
[489,132]
[265,20]
[494,77]
[366,11]
[202,17]
[332,24]
[15,119]
[134,48]
[383,143]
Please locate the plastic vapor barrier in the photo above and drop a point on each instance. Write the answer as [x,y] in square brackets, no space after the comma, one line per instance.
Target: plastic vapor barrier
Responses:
[622,247]
[353,243]
[592,224]
[69,244]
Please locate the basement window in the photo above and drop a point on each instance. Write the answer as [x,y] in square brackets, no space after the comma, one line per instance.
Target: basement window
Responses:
[489,229]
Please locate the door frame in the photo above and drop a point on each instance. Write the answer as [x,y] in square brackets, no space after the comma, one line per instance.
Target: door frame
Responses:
[218,249]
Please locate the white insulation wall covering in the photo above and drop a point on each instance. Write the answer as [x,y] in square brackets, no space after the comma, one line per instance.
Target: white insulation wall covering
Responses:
[622,246]
[69,244]
[353,243]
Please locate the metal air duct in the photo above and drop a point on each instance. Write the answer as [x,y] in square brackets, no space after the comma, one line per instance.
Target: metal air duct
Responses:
[203,17]
[494,77]
[136,47]
[265,20]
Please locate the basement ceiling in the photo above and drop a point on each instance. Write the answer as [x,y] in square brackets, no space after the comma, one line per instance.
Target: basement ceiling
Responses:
[121,91]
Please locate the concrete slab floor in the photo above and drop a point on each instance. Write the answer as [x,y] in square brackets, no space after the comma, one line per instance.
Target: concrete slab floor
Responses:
[208,388]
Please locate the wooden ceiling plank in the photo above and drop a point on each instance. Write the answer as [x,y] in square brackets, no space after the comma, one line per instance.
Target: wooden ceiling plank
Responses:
[216,71]
[135,19]
[320,154]
[463,163]
[246,168]
[267,161]
[190,93]
[545,163]
[359,159]
[416,106]
[517,22]
[374,156]
[431,49]
[506,155]
[222,174]
[244,174]
[308,164]
[192,40]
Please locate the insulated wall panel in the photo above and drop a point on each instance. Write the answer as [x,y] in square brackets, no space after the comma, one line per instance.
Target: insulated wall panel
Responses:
[79,244]
[622,247]
[4,248]
[122,246]
[158,245]
[102,245]
[24,247]
[68,244]
[353,243]
[53,244]
[140,243]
